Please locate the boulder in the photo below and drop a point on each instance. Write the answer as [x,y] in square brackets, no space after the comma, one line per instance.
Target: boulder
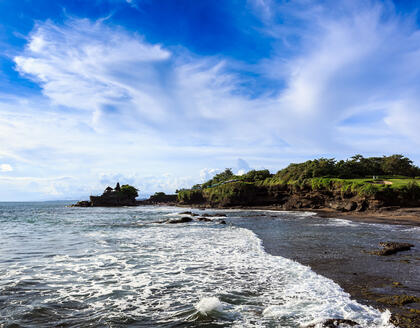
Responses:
[336,323]
[83,203]
[389,248]
[204,219]
[189,213]
[350,206]
[184,219]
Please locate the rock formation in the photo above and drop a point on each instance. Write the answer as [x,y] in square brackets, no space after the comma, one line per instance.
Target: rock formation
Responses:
[112,197]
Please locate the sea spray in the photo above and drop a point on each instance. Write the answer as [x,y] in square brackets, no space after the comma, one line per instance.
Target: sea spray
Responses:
[209,304]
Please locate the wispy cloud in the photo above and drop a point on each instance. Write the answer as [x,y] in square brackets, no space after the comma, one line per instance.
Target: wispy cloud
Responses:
[114,105]
[6,168]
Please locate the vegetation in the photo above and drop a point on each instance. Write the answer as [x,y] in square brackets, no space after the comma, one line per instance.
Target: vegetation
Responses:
[356,175]
[355,167]
[129,191]
[226,175]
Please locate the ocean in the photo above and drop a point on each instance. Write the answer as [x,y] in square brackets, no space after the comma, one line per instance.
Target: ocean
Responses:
[116,267]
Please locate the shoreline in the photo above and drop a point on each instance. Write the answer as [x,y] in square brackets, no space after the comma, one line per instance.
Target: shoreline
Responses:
[384,282]
[402,216]
[378,281]
[390,217]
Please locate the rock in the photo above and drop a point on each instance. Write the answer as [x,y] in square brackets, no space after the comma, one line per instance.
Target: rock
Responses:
[222,222]
[389,208]
[399,299]
[160,198]
[204,219]
[389,248]
[119,196]
[184,219]
[83,203]
[337,205]
[189,213]
[213,215]
[350,206]
[335,323]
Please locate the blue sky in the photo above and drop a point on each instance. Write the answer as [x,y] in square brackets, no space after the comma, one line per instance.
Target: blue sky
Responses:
[163,94]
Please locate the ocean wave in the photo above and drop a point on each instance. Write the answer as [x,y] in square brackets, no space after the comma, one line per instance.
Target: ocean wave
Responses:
[179,274]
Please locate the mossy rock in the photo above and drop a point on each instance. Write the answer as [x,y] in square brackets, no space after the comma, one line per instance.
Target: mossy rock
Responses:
[399,299]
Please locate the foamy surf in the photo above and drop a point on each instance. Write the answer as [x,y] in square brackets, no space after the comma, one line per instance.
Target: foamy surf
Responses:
[160,274]
[208,305]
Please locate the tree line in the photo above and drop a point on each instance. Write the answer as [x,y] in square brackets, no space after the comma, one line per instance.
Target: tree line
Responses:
[352,168]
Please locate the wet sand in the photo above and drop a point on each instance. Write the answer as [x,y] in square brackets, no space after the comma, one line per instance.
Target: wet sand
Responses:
[374,280]
[379,281]
[404,216]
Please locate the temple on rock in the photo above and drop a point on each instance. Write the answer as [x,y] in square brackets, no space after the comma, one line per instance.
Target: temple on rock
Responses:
[112,197]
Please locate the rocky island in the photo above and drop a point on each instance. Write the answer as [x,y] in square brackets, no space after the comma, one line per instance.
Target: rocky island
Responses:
[124,195]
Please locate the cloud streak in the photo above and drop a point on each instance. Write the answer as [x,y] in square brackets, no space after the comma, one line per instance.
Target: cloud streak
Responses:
[114,104]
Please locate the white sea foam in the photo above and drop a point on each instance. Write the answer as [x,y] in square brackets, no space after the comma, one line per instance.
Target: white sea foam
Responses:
[344,223]
[209,304]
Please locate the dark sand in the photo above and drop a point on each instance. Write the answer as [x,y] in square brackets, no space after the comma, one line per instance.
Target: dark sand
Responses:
[404,216]
[366,277]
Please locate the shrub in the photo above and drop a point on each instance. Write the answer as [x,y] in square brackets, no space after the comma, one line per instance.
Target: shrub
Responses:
[129,191]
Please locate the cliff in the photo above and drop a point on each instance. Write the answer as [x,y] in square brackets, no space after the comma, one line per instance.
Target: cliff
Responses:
[338,194]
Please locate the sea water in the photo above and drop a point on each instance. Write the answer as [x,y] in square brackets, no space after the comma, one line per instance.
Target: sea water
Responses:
[118,267]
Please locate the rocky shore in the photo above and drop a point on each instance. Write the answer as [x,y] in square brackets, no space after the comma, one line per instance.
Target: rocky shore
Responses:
[372,269]
[292,197]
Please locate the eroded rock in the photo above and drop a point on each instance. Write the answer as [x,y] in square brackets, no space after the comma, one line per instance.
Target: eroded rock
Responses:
[389,248]
[204,219]
[335,323]
[184,219]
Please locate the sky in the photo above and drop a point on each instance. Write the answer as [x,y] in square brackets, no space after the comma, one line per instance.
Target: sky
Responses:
[163,94]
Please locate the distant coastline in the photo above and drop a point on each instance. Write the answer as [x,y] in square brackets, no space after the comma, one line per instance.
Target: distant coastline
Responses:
[376,188]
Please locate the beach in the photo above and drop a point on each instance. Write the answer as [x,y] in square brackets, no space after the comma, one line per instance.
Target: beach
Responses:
[341,251]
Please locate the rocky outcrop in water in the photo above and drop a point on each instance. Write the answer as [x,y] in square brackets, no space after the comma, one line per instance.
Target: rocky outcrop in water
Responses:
[389,248]
[112,197]
[184,219]
[336,323]
[160,198]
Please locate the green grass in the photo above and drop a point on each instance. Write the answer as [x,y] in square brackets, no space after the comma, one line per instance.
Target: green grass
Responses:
[365,186]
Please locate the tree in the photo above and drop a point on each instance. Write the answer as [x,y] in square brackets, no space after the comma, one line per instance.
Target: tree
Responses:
[129,191]
[255,175]
[398,165]
[226,175]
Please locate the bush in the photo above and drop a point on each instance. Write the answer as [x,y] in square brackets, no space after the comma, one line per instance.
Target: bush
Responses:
[254,175]
[129,191]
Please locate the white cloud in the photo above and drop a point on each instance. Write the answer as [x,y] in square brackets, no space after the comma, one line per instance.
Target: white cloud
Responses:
[346,64]
[6,168]
[116,103]
[206,174]
[242,166]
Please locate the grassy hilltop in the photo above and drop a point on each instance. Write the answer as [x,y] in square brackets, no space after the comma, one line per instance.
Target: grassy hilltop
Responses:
[376,177]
